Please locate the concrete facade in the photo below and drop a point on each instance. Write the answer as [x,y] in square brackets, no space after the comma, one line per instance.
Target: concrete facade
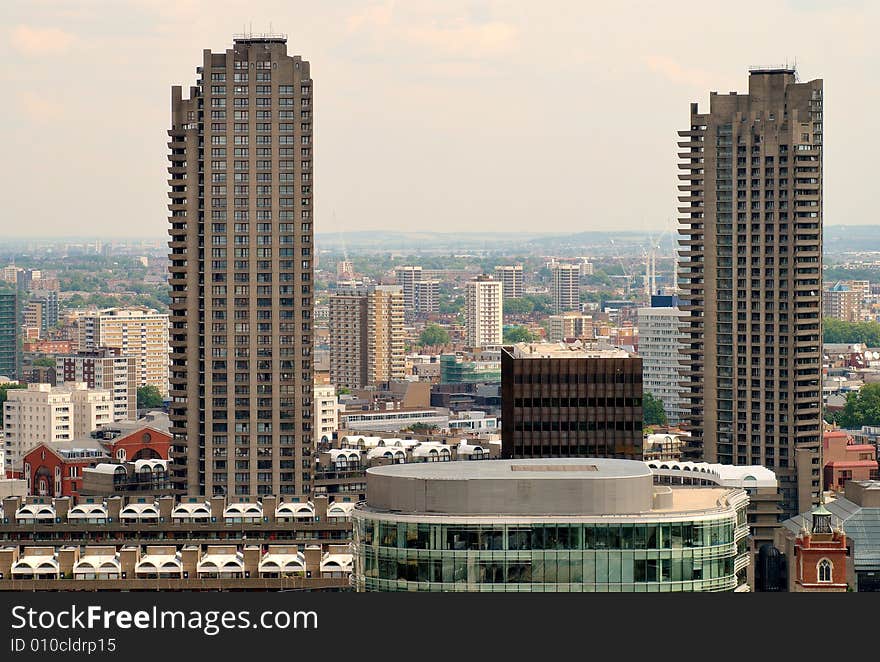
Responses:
[483,312]
[750,271]
[241,150]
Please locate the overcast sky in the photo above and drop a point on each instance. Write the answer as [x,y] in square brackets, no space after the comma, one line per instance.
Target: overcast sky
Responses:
[440,115]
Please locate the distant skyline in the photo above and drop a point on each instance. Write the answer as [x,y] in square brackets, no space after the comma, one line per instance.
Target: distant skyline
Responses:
[446,116]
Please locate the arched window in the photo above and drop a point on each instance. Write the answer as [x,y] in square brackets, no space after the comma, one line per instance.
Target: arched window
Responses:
[824,567]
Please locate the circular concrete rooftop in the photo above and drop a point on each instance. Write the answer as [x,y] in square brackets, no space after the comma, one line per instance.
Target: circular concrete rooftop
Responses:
[553,486]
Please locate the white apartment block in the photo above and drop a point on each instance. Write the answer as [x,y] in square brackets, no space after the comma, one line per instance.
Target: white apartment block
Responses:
[565,287]
[660,342]
[407,277]
[46,413]
[326,412]
[571,325]
[427,297]
[138,332]
[511,277]
[105,369]
[483,312]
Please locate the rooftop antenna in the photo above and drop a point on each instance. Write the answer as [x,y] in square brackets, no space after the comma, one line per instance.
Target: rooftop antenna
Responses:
[341,237]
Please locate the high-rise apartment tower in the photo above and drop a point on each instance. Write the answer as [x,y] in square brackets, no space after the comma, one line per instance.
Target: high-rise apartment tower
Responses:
[511,277]
[483,312]
[9,330]
[241,270]
[565,287]
[751,268]
[366,336]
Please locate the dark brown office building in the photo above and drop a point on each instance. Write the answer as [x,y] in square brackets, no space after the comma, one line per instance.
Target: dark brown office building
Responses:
[561,402]
[751,271]
[241,273]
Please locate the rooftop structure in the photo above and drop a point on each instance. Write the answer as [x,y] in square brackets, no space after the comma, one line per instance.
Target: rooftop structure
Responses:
[565,350]
[504,514]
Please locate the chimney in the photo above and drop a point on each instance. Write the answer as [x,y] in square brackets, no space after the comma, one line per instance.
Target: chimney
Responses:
[189,557]
[67,557]
[269,505]
[8,556]
[166,506]
[252,556]
[62,507]
[321,503]
[114,507]
[218,504]
[313,557]
[128,558]
[10,505]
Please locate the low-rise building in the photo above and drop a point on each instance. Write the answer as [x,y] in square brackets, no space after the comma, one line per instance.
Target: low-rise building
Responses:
[106,369]
[58,468]
[171,567]
[455,369]
[392,419]
[560,524]
[852,550]
[43,413]
[326,415]
[844,460]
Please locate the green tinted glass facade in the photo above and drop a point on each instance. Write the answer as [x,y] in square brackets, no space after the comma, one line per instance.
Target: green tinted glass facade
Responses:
[705,554]
[8,334]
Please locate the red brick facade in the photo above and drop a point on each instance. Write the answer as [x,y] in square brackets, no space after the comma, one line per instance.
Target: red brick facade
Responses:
[57,473]
[820,563]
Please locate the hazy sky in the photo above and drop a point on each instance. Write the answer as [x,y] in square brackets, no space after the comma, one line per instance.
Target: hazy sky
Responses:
[441,115]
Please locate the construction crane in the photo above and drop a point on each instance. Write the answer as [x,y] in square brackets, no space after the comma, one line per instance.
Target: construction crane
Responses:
[626,274]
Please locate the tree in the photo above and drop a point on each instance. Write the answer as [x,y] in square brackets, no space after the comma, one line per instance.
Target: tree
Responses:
[543,303]
[434,334]
[521,306]
[838,331]
[450,305]
[652,410]
[515,334]
[45,362]
[862,408]
[148,397]
[8,387]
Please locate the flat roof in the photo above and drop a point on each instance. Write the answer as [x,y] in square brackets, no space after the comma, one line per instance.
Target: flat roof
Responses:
[536,469]
[565,351]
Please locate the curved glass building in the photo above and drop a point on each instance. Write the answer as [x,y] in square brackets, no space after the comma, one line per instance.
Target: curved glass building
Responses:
[574,524]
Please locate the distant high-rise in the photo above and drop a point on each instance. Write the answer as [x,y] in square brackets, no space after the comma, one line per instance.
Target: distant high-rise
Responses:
[565,287]
[138,332]
[9,330]
[562,402]
[45,413]
[46,301]
[572,325]
[366,336]
[344,270]
[511,277]
[841,301]
[427,297]
[751,272]
[483,312]
[407,277]
[241,266]
[661,341]
[106,369]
